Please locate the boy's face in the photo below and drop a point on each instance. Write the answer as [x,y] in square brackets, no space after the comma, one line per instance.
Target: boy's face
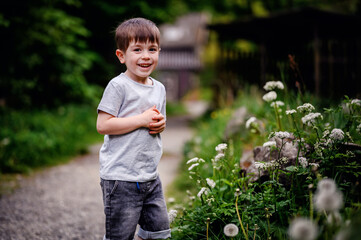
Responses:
[140,58]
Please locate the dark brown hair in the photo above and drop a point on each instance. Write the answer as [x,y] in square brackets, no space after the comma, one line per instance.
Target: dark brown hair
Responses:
[138,30]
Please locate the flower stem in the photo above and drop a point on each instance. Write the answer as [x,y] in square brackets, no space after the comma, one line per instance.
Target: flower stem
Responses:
[239,218]
[208,220]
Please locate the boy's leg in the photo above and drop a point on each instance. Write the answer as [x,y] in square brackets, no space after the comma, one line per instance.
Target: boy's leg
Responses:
[154,222]
[122,208]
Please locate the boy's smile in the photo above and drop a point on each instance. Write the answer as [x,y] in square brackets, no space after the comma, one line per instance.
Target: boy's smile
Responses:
[141,59]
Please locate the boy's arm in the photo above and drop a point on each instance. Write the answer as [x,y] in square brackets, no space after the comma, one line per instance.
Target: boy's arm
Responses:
[110,125]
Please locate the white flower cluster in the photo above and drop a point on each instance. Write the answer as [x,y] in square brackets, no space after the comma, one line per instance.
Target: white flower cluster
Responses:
[358,129]
[356,102]
[277,103]
[310,118]
[306,108]
[196,161]
[337,134]
[271,85]
[303,161]
[204,191]
[172,215]
[210,183]
[302,229]
[270,96]
[282,135]
[327,197]
[270,144]
[250,121]
[221,147]
[290,112]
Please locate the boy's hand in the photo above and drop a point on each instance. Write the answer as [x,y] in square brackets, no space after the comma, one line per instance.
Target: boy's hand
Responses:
[159,125]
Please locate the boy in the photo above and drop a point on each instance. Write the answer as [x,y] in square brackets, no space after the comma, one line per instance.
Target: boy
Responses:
[131,115]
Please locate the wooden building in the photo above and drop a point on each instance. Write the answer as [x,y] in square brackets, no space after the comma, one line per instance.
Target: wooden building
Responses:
[180,55]
[326,46]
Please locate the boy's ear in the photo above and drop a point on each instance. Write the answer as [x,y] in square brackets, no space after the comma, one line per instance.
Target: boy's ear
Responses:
[120,55]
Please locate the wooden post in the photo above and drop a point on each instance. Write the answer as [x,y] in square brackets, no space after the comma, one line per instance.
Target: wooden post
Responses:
[317,61]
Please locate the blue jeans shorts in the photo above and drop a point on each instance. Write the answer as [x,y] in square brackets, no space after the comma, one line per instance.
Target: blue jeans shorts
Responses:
[127,204]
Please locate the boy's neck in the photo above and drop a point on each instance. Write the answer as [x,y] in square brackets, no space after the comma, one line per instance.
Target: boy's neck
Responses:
[145,81]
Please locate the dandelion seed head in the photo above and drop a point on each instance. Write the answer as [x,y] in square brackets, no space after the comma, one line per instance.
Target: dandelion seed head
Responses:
[327,184]
[290,112]
[230,230]
[328,201]
[271,85]
[270,96]
[302,229]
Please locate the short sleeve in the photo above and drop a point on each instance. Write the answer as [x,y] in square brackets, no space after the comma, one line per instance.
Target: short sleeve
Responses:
[112,99]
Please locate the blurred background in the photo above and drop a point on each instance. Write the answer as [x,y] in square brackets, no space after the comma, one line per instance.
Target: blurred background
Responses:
[57,57]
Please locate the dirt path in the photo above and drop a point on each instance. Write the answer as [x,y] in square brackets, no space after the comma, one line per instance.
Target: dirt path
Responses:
[64,202]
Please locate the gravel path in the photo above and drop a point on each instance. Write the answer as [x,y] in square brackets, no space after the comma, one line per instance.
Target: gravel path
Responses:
[65,202]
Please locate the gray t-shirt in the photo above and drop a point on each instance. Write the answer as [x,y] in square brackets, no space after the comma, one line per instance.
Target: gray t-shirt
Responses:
[133,156]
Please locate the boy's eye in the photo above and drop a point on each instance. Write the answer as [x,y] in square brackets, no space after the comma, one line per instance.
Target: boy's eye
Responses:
[153,49]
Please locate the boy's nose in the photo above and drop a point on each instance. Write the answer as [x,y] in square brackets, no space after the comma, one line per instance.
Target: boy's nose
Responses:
[145,54]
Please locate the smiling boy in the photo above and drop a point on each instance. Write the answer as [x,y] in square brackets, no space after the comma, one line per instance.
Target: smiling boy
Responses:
[131,115]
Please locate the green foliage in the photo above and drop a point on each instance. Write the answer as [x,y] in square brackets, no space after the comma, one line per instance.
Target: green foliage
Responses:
[40,138]
[263,202]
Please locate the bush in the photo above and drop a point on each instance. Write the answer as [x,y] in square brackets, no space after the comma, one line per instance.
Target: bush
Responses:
[39,138]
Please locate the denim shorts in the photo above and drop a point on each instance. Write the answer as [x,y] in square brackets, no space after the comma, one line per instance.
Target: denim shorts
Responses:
[127,204]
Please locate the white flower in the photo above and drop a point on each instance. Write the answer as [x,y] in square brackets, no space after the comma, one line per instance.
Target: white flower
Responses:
[220,147]
[172,215]
[307,107]
[356,102]
[210,182]
[303,161]
[171,200]
[282,134]
[290,112]
[310,118]
[271,85]
[337,134]
[202,191]
[268,97]
[358,129]
[302,229]
[193,160]
[193,165]
[270,144]
[277,103]
[250,121]
[230,230]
